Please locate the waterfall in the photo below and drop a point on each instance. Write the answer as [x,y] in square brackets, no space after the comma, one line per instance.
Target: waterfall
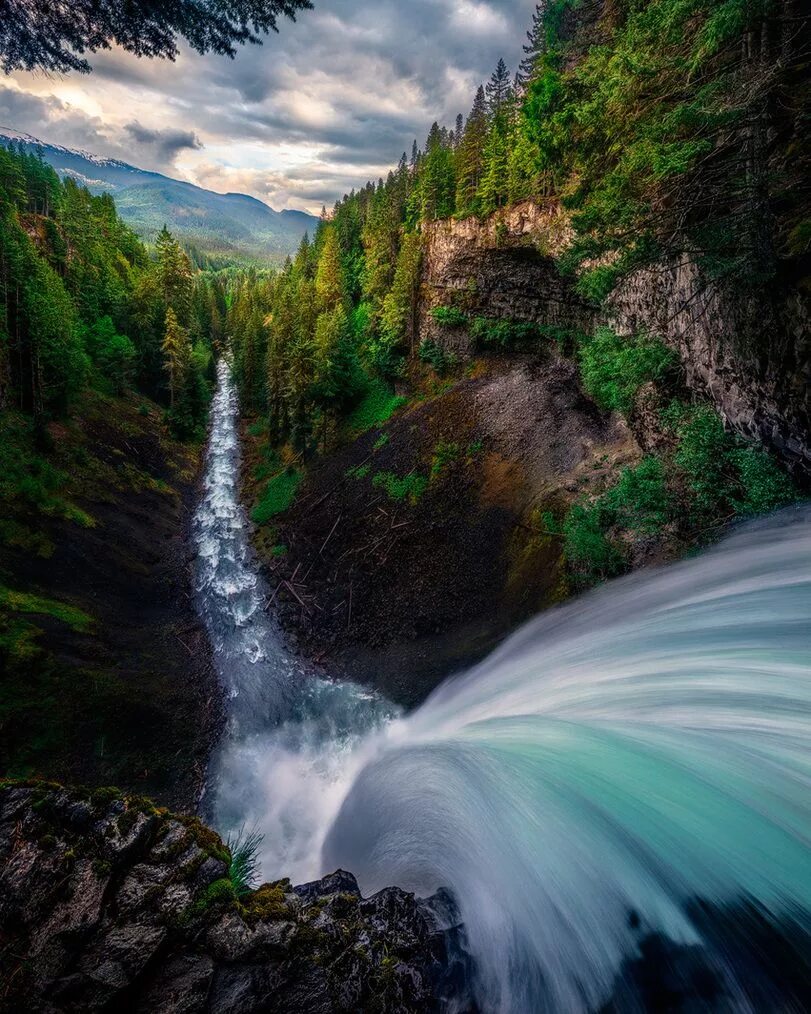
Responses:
[619,766]
[292,738]
[618,758]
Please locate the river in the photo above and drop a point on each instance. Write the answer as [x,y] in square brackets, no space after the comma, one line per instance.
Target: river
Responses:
[616,759]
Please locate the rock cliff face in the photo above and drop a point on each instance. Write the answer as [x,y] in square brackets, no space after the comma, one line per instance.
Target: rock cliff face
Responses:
[500,267]
[109,904]
[750,354]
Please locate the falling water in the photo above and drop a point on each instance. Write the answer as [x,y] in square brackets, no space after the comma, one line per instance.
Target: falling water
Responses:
[292,738]
[614,761]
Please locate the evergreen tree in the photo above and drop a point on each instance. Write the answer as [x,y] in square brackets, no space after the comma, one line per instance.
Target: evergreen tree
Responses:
[534,48]
[177,355]
[498,90]
[329,281]
[469,161]
[39,35]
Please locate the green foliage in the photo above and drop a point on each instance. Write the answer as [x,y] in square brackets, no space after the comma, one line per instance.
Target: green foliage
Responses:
[723,477]
[410,487]
[493,333]
[358,471]
[444,454]
[614,368]
[763,486]
[278,496]
[381,441]
[435,356]
[639,502]
[701,456]
[24,602]
[449,316]
[376,407]
[243,869]
[590,554]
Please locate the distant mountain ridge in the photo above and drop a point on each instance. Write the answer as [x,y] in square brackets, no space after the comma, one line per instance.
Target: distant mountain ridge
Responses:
[226,225]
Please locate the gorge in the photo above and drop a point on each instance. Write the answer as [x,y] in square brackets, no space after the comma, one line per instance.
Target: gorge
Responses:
[410,616]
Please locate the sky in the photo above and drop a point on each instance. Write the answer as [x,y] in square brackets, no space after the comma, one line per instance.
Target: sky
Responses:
[329,102]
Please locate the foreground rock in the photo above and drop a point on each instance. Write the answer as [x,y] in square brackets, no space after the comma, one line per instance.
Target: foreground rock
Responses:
[107,903]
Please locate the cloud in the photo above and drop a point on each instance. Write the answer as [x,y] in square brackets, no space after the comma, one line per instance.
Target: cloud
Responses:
[166,144]
[327,103]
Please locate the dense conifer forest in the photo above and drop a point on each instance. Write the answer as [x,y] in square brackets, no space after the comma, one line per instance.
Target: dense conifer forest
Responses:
[660,129]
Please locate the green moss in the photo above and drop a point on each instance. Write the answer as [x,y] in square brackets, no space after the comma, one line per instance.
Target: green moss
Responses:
[279,494]
[220,894]
[358,472]
[268,903]
[101,798]
[23,602]
[381,441]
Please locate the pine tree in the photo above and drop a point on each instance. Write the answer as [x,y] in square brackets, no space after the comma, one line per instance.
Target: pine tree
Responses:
[174,275]
[329,280]
[469,156]
[436,178]
[498,89]
[533,50]
[177,354]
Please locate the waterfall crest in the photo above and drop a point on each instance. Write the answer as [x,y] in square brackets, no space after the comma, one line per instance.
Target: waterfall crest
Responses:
[619,757]
[615,760]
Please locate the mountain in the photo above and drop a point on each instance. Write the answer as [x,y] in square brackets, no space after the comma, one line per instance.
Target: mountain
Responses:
[224,225]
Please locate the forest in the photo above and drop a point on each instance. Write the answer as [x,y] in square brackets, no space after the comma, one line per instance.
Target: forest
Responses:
[663,129]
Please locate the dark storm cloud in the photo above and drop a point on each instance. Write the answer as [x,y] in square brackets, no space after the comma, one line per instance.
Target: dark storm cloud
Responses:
[351,84]
[166,144]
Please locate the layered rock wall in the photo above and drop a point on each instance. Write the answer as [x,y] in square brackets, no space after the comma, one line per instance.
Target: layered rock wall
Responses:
[748,351]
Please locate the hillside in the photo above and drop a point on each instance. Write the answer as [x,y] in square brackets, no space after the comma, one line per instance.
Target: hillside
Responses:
[221,224]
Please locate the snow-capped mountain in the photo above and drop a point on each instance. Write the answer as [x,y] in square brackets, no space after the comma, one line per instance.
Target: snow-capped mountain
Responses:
[229,224]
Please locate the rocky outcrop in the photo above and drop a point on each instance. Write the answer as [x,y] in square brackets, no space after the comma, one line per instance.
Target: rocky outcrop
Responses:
[749,351]
[109,904]
[502,266]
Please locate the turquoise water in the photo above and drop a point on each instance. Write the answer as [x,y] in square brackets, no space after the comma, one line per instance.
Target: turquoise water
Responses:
[641,747]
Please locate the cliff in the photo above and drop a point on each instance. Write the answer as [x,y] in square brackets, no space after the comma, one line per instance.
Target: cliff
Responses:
[748,352]
[107,903]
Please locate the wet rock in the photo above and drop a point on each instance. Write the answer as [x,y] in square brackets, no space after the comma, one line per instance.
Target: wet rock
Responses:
[128,910]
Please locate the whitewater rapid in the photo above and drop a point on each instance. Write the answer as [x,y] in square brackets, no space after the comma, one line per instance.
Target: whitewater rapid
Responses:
[292,738]
[615,760]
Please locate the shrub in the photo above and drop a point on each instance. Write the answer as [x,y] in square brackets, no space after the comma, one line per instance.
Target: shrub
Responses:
[591,555]
[376,407]
[435,356]
[449,316]
[614,368]
[701,455]
[640,501]
[410,486]
[278,496]
[764,487]
[489,333]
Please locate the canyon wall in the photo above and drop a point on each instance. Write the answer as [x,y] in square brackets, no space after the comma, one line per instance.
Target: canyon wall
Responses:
[748,351]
